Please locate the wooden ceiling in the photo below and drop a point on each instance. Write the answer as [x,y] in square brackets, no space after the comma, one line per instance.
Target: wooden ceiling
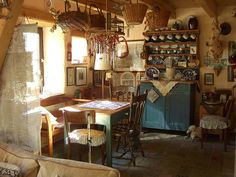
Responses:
[210,6]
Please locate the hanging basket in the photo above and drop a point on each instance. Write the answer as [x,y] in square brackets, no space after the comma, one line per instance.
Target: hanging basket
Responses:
[134,13]
[156,19]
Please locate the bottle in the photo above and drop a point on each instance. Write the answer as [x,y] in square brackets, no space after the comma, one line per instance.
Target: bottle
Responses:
[192,23]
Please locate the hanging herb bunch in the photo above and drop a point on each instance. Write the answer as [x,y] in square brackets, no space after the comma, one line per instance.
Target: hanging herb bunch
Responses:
[103,43]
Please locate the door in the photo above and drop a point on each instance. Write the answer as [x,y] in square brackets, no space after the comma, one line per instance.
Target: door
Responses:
[178,108]
[153,116]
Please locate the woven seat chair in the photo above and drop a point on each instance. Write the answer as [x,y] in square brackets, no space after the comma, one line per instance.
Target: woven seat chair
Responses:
[216,122]
[78,132]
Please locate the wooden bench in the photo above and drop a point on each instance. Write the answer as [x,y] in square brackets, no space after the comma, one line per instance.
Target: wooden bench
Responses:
[50,130]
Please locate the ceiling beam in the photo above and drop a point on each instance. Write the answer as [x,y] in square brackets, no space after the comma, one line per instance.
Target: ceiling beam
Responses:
[210,7]
[152,4]
[7,29]
[110,6]
[37,14]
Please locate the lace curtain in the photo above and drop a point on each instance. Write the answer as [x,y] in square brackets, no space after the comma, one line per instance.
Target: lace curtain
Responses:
[20,120]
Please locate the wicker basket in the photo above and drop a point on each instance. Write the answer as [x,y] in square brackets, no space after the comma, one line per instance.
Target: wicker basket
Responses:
[157,19]
[134,13]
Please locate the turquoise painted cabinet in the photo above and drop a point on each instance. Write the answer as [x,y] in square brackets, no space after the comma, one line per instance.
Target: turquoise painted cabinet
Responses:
[172,112]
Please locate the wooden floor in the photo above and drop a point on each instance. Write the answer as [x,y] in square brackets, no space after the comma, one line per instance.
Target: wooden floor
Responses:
[168,155]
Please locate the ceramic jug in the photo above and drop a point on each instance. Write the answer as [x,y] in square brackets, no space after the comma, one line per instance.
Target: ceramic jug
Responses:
[192,23]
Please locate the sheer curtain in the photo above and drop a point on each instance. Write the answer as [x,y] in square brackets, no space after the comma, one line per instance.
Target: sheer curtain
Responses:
[20,120]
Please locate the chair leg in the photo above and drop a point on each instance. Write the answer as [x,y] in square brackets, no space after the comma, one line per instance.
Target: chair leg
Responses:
[203,136]
[50,146]
[80,148]
[118,144]
[141,148]
[132,155]
[225,139]
[103,156]
[68,151]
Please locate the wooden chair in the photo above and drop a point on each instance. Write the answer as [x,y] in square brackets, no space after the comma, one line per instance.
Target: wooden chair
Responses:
[130,135]
[78,131]
[216,122]
[53,130]
[121,93]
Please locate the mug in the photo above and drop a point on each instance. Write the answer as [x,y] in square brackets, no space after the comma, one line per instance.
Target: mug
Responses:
[193,36]
[177,36]
[154,37]
[185,36]
[162,37]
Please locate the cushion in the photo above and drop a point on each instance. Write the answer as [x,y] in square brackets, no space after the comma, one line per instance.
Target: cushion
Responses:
[214,122]
[81,136]
[26,161]
[61,167]
[10,170]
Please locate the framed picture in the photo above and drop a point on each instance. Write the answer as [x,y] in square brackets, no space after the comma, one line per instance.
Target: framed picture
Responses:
[70,76]
[97,78]
[80,75]
[133,61]
[209,78]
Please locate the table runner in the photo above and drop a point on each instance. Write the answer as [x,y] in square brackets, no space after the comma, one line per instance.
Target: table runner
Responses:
[164,87]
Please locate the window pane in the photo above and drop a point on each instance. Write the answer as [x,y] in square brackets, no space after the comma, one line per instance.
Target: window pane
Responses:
[79,49]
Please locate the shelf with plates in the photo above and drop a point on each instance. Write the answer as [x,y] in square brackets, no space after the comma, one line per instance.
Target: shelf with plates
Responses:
[148,33]
[177,67]
[156,43]
[172,54]
[177,49]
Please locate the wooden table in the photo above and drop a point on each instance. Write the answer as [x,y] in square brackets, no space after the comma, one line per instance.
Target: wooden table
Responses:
[105,117]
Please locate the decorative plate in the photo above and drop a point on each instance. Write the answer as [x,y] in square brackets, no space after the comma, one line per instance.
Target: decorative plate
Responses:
[158,61]
[178,75]
[152,70]
[189,74]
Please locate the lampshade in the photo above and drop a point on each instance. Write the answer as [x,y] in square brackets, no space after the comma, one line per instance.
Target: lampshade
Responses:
[102,62]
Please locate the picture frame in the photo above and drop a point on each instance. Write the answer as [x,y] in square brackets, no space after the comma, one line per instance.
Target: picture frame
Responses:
[209,78]
[133,62]
[70,76]
[97,78]
[80,75]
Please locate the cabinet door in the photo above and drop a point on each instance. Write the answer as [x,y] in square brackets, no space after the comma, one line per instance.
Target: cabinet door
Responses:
[153,116]
[178,107]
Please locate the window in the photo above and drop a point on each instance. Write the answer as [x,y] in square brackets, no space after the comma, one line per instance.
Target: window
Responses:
[79,50]
[54,57]
[128,79]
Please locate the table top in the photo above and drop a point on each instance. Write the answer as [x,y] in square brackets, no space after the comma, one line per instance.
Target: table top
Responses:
[101,106]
